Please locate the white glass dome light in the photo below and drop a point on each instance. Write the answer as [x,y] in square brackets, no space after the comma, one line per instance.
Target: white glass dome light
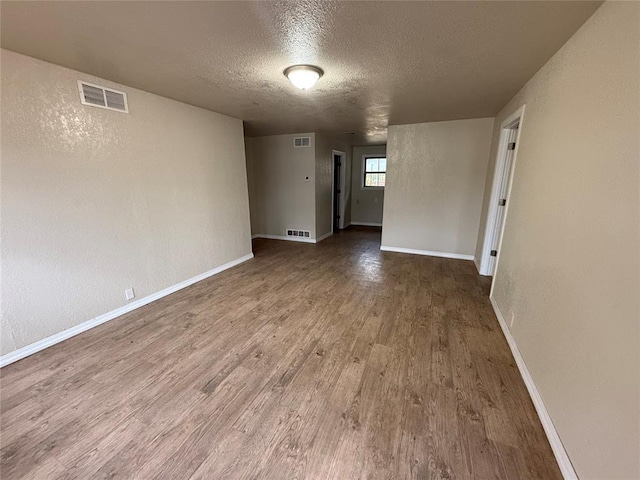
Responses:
[303,76]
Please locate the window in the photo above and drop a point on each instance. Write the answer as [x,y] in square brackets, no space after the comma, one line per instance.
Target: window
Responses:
[375,172]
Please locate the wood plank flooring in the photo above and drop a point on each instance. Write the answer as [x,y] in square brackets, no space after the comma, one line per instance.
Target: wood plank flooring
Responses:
[327,361]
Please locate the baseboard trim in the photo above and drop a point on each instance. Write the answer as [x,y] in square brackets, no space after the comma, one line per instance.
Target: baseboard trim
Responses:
[322,237]
[429,253]
[105,317]
[287,238]
[477,264]
[566,467]
[365,224]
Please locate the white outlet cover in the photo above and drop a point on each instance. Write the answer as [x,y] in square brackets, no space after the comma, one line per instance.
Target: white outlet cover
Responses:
[128,293]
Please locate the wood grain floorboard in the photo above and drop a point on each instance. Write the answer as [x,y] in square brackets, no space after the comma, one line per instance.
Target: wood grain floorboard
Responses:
[326,361]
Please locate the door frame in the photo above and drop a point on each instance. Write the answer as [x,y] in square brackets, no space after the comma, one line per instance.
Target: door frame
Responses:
[343,161]
[487,266]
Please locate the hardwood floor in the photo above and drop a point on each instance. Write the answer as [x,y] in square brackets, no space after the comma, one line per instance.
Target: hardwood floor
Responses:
[320,361]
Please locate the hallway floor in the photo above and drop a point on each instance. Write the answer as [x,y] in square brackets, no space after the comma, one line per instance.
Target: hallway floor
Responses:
[332,360]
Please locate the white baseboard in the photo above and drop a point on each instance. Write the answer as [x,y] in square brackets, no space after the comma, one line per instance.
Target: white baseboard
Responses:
[105,317]
[477,264]
[285,237]
[566,468]
[322,237]
[366,224]
[426,252]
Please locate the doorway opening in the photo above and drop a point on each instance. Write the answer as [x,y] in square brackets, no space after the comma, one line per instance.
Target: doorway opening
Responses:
[338,188]
[501,191]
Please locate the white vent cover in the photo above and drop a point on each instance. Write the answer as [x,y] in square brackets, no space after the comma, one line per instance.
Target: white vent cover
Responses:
[102,97]
[298,233]
[301,142]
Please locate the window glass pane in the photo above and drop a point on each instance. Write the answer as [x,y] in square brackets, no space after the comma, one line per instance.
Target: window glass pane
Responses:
[371,180]
[374,172]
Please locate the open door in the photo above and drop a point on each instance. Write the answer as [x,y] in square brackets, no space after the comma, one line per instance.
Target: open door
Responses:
[337,172]
[501,189]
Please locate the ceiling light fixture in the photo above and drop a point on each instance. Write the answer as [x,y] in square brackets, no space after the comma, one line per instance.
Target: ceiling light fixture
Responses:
[303,76]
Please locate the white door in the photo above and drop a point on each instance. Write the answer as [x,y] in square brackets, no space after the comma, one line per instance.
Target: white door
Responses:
[502,198]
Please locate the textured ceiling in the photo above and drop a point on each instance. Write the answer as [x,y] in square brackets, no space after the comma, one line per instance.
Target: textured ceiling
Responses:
[384,62]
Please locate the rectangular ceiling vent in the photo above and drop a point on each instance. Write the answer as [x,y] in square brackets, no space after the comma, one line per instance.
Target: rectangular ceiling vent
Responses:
[301,142]
[102,97]
[298,233]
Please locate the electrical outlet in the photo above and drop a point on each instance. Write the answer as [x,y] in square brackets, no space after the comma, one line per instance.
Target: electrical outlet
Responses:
[511,322]
[128,293]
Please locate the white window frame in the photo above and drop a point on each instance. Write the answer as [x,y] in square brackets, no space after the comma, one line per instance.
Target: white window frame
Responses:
[362,171]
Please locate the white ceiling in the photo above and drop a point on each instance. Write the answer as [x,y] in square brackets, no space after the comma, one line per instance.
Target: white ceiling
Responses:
[385,62]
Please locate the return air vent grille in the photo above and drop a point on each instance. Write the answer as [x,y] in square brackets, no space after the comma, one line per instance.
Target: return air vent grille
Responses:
[301,142]
[298,233]
[102,97]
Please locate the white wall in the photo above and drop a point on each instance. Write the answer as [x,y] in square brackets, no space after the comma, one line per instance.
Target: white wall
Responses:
[96,201]
[280,196]
[435,183]
[569,265]
[366,204]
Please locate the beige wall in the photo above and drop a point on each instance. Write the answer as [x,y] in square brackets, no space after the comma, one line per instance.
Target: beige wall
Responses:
[435,183]
[280,197]
[366,204]
[96,201]
[569,265]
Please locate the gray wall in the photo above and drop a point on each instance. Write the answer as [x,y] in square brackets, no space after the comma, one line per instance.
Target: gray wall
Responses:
[569,262]
[366,205]
[96,201]
[435,185]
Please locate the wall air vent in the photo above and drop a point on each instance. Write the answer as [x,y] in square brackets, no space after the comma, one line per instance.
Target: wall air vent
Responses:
[102,97]
[298,233]
[301,142]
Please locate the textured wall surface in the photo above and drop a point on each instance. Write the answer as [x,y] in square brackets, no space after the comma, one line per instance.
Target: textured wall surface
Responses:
[366,205]
[96,201]
[280,196]
[435,184]
[569,266]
